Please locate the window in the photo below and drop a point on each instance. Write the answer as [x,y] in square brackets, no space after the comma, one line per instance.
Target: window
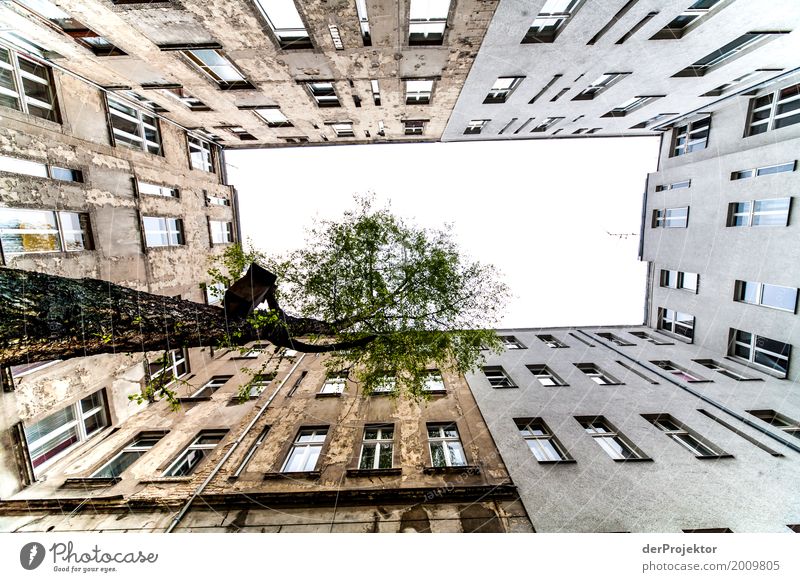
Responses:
[445,446]
[674,186]
[221,232]
[552,342]
[597,375]
[647,337]
[766,212]
[418,91]
[675,322]
[427,21]
[363,21]
[334,385]
[631,105]
[475,126]
[653,120]
[323,93]
[133,128]
[39,169]
[671,217]
[215,293]
[497,377]
[258,384]
[216,200]
[786,424]
[679,25]
[211,386]
[218,68]
[343,129]
[434,383]
[305,451]
[163,231]
[764,171]
[376,90]
[273,116]
[413,127]
[614,339]
[727,87]
[546,124]
[376,448]
[43,231]
[756,349]
[205,442]
[51,437]
[26,86]
[253,352]
[599,85]
[724,54]
[262,436]
[544,446]
[775,296]
[143,442]
[386,384]
[240,132]
[679,280]
[684,436]
[510,342]
[724,370]
[610,439]
[155,189]
[297,139]
[545,375]
[200,154]
[552,18]
[690,137]
[180,94]
[774,110]
[677,371]
[173,365]
[142,100]
[502,89]
[284,20]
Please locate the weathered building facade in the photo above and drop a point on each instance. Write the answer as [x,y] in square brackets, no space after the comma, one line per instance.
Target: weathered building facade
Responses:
[626,429]
[306,452]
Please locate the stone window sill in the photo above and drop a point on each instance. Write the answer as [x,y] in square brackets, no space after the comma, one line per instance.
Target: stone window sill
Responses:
[293,475]
[468,469]
[374,472]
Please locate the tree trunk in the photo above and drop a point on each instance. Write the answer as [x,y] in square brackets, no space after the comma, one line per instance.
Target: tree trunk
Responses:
[47,317]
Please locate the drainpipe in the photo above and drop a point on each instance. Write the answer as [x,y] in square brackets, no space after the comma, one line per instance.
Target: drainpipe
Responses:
[179,516]
[699,395]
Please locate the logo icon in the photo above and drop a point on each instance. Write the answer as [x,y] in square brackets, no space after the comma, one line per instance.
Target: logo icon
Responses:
[31,555]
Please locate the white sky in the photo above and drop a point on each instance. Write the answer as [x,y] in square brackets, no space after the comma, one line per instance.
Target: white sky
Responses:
[539,210]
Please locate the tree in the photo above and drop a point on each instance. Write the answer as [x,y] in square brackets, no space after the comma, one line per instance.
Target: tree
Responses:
[378,294]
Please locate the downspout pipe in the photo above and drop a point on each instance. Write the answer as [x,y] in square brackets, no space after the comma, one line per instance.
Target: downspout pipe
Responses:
[179,516]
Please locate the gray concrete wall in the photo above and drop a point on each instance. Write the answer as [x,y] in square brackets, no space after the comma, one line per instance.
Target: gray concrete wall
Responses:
[751,492]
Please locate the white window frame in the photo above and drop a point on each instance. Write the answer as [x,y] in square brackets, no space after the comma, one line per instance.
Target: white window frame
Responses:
[295,35]
[764,170]
[214,384]
[323,93]
[597,374]
[475,126]
[195,446]
[221,232]
[686,437]
[413,126]
[650,338]
[18,78]
[363,22]
[545,375]
[258,384]
[167,225]
[498,377]
[511,342]
[553,16]
[419,91]
[379,445]
[343,129]
[178,358]
[201,154]
[684,280]
[778,420]
[552,341]
[671,217]
[691,136]
[599,85]
[144,121]
[632,104]
[77,422]
[740,290]
[502,90]
[725,370]
[434,383]
[753,349]
[427,27]
[670,320]
[773,117]
[615,339]
[334,385]
[65,238]
[224,72]
[535,432]
[604,434]
[447,443]
[155,189]
[131,447]
[678,371]
[273,116]
[751,214]
[307,446]
[385,385]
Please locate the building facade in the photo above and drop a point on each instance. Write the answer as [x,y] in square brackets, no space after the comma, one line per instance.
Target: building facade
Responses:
[627,429]
[306,451]
[566,68]
[253,73]
[93,184]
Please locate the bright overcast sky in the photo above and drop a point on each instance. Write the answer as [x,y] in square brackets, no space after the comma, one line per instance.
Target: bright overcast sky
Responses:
[539,210]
